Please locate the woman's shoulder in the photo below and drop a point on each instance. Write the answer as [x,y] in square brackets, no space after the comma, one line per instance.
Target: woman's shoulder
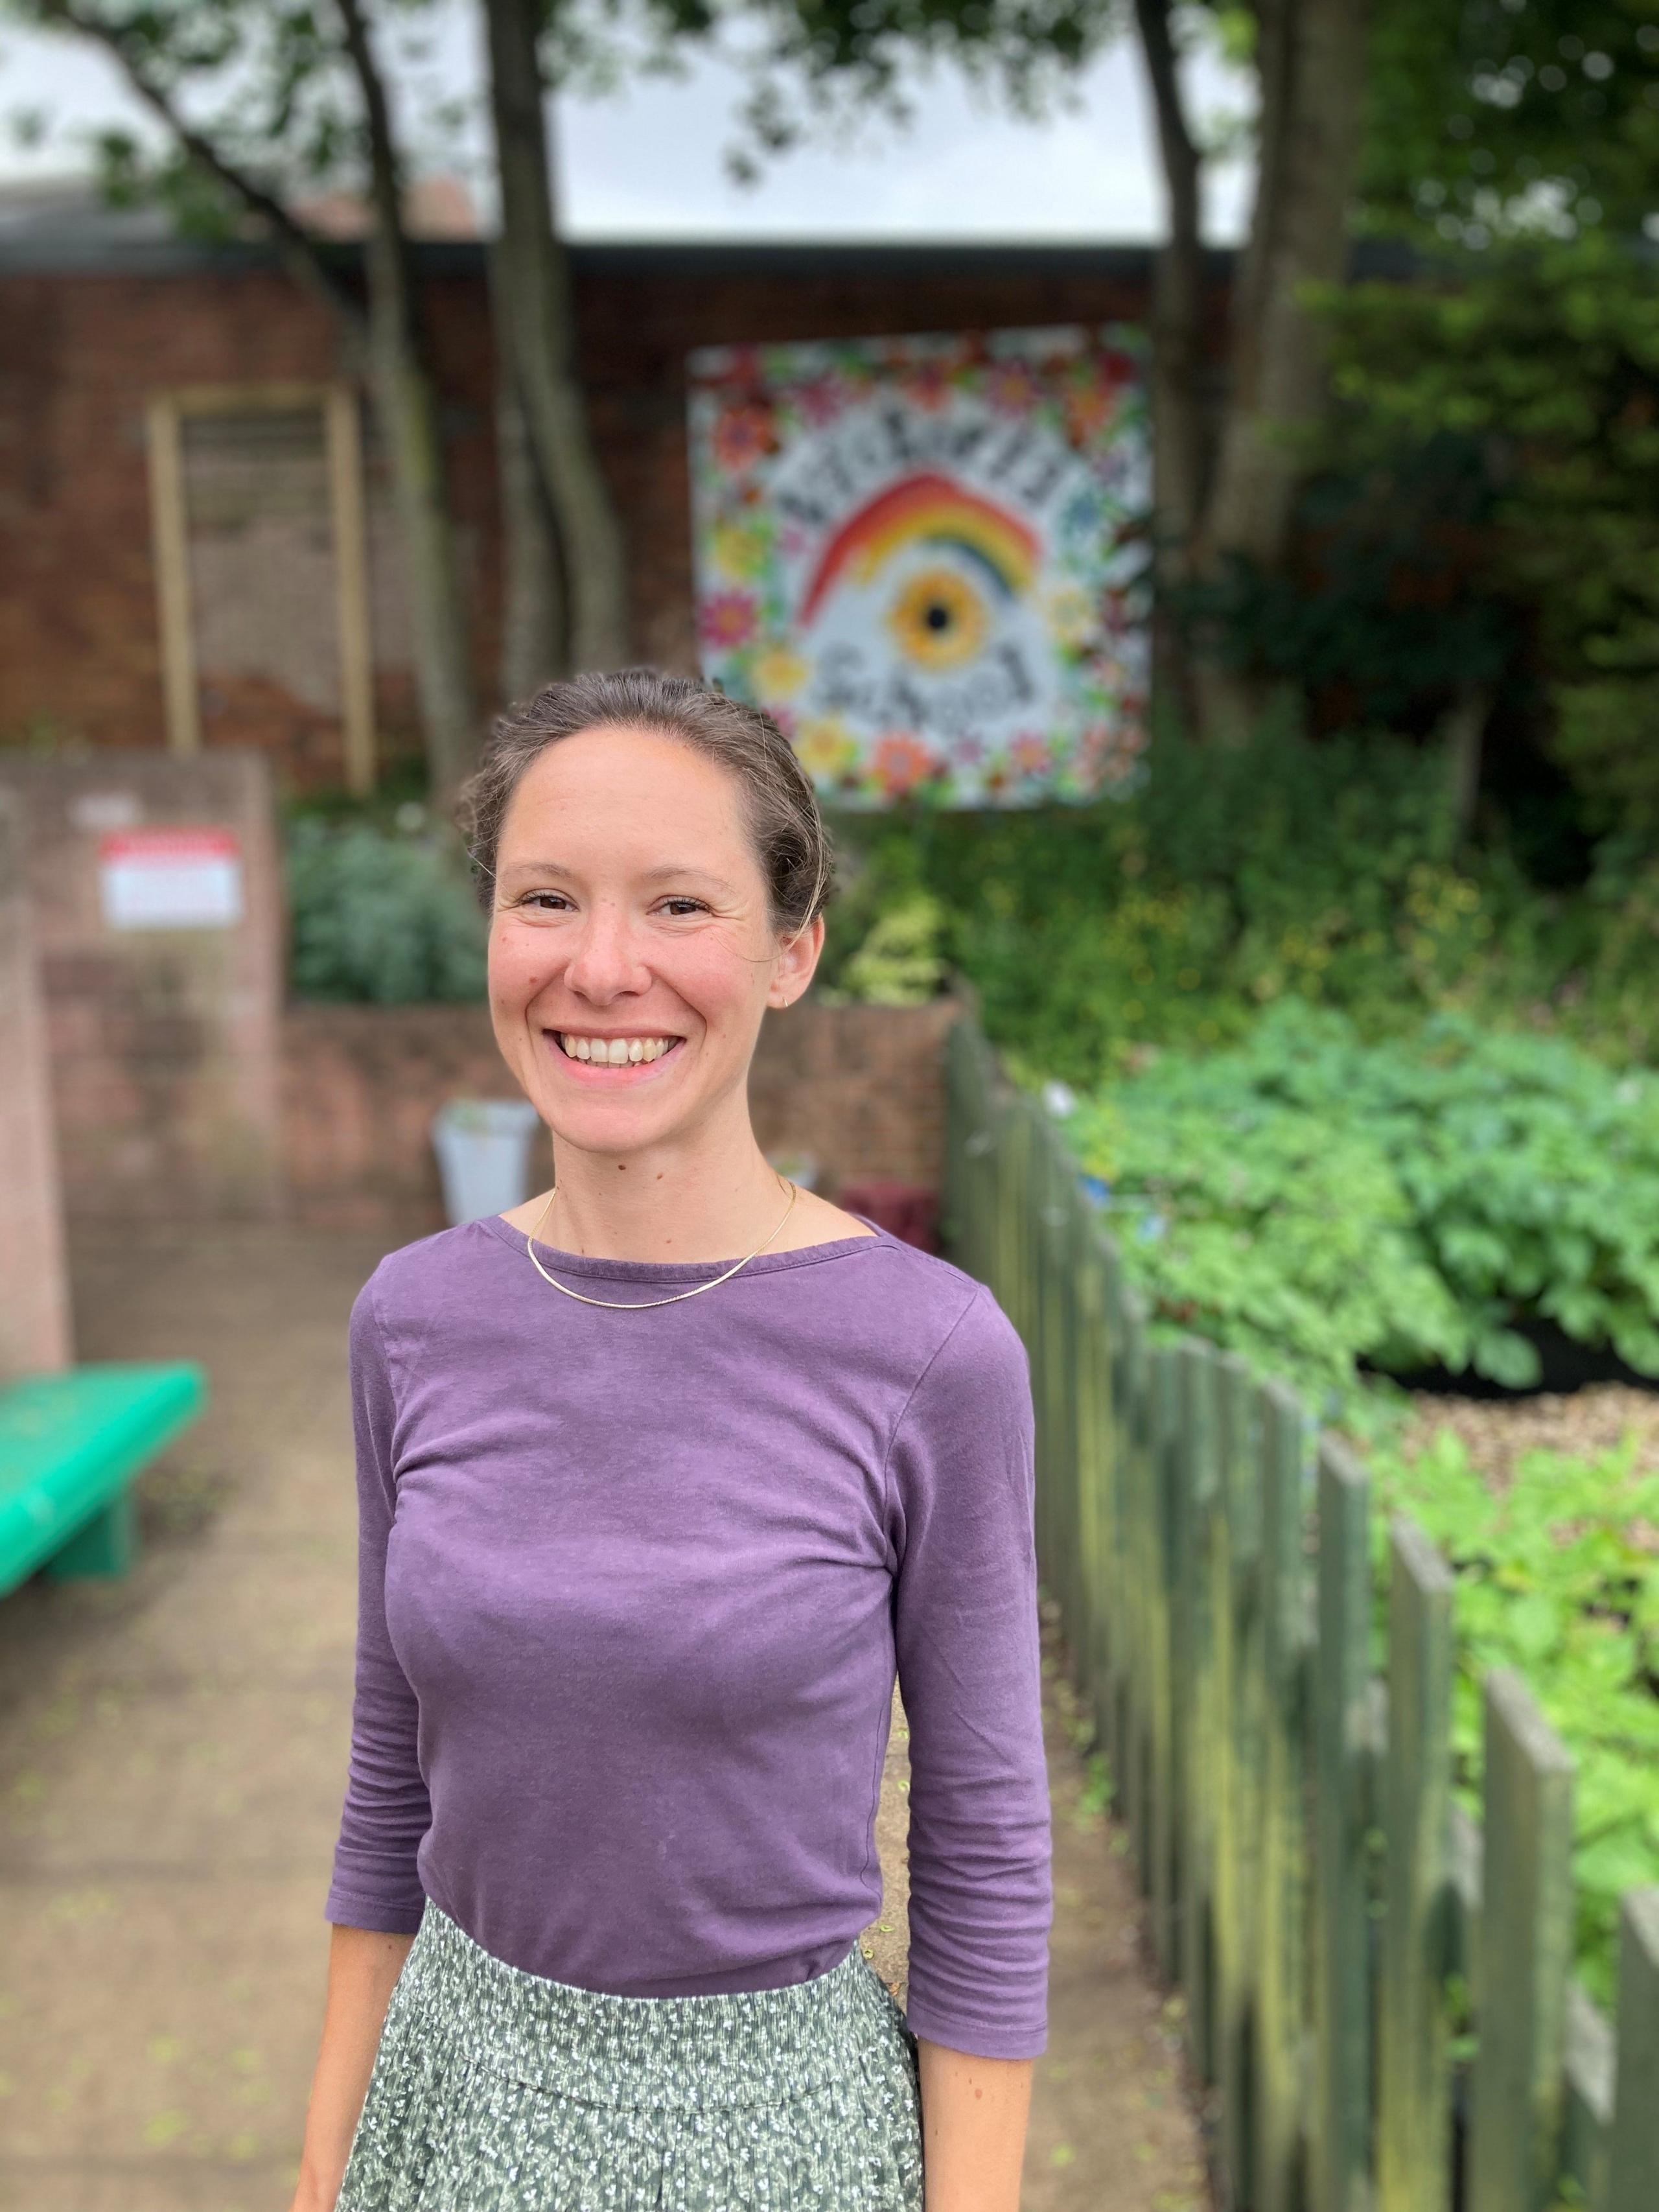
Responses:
[429,1272]
[948,1316]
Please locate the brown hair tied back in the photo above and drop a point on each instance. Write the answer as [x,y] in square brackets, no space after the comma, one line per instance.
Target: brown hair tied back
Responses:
[790,839]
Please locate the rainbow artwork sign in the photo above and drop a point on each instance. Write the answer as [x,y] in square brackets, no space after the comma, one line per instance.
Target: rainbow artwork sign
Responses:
[925,556]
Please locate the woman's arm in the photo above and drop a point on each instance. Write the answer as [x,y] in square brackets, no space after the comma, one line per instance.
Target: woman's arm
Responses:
[973,2129]
[363,1966]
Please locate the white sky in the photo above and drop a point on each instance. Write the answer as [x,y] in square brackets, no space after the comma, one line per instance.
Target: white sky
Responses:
[647,162]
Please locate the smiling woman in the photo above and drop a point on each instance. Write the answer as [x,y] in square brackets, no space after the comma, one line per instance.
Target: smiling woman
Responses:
[635,1583]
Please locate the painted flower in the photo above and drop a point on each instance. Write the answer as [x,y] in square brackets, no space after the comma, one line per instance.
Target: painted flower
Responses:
[1011,388]
[778,673]
[900,762]
[728,618]
[825,748]
[928,385]
[938,620]
[1084,515]
[1089,408]
[821,399]
[739,550]
[744,436]
[1071,615]
[1030,754]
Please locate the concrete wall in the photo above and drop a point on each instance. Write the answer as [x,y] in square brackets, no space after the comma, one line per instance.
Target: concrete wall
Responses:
[34,1308]
[163,1041]
[861,1088]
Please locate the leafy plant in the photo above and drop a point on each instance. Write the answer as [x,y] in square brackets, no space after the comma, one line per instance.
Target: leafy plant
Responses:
[900,962]
[1319,1202]
[1558,1576]
[381,915]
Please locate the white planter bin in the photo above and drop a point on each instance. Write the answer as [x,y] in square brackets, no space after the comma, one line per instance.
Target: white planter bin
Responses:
[483,1155]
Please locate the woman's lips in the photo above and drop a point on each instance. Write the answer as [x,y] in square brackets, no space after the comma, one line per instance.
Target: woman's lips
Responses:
[609,1072]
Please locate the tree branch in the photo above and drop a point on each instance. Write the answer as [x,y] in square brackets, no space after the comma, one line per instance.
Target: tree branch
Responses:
[299,253]
[387,240]
[1179,414]
[1181,160]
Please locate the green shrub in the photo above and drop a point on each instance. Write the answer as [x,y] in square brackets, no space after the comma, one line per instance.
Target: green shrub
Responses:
[899,961]
[1232,878]
[1316,1201]
[380,915]
[1558,1576]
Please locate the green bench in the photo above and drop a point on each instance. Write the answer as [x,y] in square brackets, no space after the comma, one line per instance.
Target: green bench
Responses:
[69,1446]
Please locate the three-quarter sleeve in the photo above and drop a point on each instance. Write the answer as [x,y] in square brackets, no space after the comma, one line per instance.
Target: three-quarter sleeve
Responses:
[962,1485]
[387,1810]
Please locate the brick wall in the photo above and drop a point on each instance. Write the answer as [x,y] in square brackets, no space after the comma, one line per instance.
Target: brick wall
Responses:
[34,1311]
[861,1088]
[86,347]
[163,1042]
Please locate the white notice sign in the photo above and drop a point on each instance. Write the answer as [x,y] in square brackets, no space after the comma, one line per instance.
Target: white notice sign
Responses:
[172,878]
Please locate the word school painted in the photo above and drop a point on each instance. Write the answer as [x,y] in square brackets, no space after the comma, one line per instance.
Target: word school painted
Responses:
[924,556]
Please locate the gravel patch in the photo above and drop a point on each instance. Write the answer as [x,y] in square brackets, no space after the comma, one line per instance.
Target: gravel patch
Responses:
[1498,1433]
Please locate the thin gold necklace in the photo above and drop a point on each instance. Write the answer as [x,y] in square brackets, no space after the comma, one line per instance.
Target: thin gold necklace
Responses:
[629,1305]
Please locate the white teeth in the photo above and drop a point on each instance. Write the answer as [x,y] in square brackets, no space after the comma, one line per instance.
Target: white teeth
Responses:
[614,1052]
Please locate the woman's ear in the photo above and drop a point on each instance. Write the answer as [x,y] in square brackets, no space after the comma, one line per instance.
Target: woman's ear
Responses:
[798,957]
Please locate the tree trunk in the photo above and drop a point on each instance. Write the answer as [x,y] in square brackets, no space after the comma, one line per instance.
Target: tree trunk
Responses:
[1178,400]
[537,331]
[406,403]
[534,646]
[1312,60]
[1462,732]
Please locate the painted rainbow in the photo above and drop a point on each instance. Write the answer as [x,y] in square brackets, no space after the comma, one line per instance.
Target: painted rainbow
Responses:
[929,510]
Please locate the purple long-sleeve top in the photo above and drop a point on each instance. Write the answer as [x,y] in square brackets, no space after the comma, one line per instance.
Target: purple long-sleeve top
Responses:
[632,1592]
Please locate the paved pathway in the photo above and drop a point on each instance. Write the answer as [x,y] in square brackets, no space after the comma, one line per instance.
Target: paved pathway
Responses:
[172,1756]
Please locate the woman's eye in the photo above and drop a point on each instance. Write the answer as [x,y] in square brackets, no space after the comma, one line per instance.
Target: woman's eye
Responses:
[679,906]
[545,902]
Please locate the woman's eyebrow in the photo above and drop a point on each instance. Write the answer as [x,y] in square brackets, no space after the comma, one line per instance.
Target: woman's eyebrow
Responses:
[673,872]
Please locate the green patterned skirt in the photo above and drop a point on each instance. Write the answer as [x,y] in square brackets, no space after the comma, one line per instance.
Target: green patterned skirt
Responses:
[499,2090]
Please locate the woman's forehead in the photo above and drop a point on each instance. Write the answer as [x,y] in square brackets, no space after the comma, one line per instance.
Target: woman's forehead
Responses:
[609,763]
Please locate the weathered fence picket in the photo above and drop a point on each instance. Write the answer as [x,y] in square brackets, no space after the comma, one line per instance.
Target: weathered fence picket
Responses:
[1413,2120]
[1633,2152]
[1235,1868]
[1518,2092]
[1193,1486]
[1339,2120]
[1313,1890]
[1280,2005]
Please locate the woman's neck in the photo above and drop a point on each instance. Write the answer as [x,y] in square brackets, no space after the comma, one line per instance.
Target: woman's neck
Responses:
[709,1200]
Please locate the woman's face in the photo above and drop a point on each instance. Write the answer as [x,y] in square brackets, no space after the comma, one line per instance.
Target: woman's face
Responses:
[631,952]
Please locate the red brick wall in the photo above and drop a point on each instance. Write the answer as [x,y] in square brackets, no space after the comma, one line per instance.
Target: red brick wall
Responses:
[861,1088]
[163,1042]
[34,1313]
[79,654]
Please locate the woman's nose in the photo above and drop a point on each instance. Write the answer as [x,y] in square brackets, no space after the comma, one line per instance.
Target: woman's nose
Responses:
[605,960]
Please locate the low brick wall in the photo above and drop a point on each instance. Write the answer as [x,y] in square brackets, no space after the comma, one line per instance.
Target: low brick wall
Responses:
[163,1041]
[860,1088]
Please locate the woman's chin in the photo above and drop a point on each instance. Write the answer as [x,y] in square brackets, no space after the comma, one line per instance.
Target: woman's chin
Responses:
[604,1109]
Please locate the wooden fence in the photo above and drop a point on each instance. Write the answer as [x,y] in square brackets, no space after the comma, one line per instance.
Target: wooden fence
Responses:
[1379,1993]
